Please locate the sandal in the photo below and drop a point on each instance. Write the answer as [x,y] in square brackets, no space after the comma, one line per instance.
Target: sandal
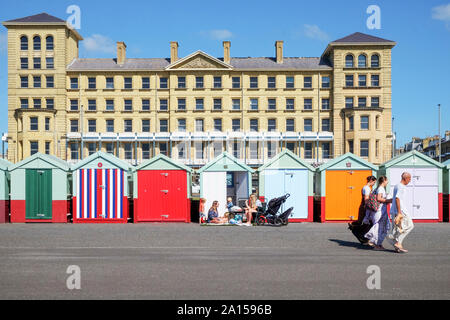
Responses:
[400,250]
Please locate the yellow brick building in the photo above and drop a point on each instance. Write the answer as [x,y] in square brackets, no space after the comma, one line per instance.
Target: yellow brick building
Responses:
[194,108]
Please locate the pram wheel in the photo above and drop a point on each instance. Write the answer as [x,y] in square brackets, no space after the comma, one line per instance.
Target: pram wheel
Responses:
[277,222]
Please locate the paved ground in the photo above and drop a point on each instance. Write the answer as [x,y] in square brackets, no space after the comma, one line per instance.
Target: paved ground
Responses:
[186,261]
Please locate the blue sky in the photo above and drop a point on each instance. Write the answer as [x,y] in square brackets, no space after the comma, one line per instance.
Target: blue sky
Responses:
[421,59]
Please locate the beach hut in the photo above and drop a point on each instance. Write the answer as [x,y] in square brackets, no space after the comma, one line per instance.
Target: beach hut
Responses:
[424,195]
[162,191]
[223,177]
[4,190]
[40,189]
[287,173]
[100,189]
[339,183]
[446,196]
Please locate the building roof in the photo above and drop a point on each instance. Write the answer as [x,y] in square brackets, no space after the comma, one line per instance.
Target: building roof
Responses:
[402,157]
[105,156]
[224,159]
[4,164]
[277,160]
[55,161]
[348,155]
[162,158]
[38,18]
[360,37]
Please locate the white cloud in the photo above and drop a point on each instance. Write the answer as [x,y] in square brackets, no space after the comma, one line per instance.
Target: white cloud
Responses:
[442,13]
[314,32]
[99,43]
[3,42]
[218,34]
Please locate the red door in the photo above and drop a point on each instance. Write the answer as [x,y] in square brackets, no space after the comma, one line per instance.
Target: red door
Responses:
[162,196]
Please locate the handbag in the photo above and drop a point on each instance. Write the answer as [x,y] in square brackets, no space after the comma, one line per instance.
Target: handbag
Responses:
[372,203]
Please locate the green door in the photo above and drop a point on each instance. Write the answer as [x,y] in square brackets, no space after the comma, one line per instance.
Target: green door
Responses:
[38,195]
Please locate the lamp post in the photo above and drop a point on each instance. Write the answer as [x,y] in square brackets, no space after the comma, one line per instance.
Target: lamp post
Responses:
[393,138]
[439,128]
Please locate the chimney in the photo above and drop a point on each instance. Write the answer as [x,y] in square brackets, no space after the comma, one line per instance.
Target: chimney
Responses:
[173,51]
[121,52]
[226,52]
[279,51]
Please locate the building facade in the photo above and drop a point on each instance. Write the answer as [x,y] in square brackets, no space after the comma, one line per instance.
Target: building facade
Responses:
[194,108]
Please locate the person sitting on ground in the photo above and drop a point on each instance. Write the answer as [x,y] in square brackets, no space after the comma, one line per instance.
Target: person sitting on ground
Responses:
[213,214]
[251,207]
[201,210]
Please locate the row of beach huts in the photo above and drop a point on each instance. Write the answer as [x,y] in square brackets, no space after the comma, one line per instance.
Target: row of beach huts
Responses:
[105,189]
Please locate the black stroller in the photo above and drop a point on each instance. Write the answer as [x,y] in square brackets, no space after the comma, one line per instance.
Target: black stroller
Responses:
[271,216]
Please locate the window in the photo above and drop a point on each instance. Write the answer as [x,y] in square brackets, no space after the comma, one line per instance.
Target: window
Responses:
[236,83]
[364,123]
[325,82]
[253,146]
[110,83]
[163,125]
[24,63]
[364,148]
[181,82]
[375,80]
[110,147]
[375,102]
[290,146]
[23,43]
[34,147]
[325,104]
[272,104]
[37,43]
[24,103]
[326,125]
[362,61]
[92,125]
[351,123]
[145,83]
[145,105]
[375,61]
[146,151]
[217,104]
[198,150]
[217,124]
[145,125]
[73,104]
[253,82]
[307,82]
[49,63]
[307,124]
[254,104]
[199,125]
[362,80]
[36,63]
[217,82]
[109,105]
[37,103]
[92,148]
[236,149]
[289,82]
[92,105]
[73,125]
[290,104]
[236,124]
[325,150]
[128,105]
[290,125]
[349,80]
[349,61]
[308,104]
[50,81]
[163,83]
[182,125]
[128,148]
[271,82]
[271,125]
[218,147]
[36,81]
[362,102]
[350,146]
[349,102]
[181,104]
[163,148]
[34,124]
[92,83]
[199,82]
[271,149]
[74,151]
[50,103]
[73,83]
[128,125]
[110,125]
[377,148]
[163,105]
[128,83]
[47,147]
[24,82]
[49,43]
[308,150]
[182,154]
[199,104]
[254,125]
[236,104]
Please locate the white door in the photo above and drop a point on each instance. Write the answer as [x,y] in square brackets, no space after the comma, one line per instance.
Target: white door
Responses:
[425,203]
[214,187]
[425,177]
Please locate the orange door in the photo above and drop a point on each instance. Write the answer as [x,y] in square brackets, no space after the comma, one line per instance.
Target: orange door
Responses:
[343,193]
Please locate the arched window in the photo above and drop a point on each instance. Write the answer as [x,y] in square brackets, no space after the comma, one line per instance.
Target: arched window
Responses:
[349,61]
[375,61]
[37,43]
[49,43]
[23,43]
[362,61]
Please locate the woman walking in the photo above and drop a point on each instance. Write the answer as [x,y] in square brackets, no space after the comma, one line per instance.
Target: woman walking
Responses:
[380,218]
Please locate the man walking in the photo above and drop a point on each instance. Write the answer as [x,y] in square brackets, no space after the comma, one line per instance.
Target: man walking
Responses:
[402,223]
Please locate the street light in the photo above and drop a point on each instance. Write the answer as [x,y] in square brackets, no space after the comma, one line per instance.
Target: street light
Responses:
[439,128]
[393,138]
